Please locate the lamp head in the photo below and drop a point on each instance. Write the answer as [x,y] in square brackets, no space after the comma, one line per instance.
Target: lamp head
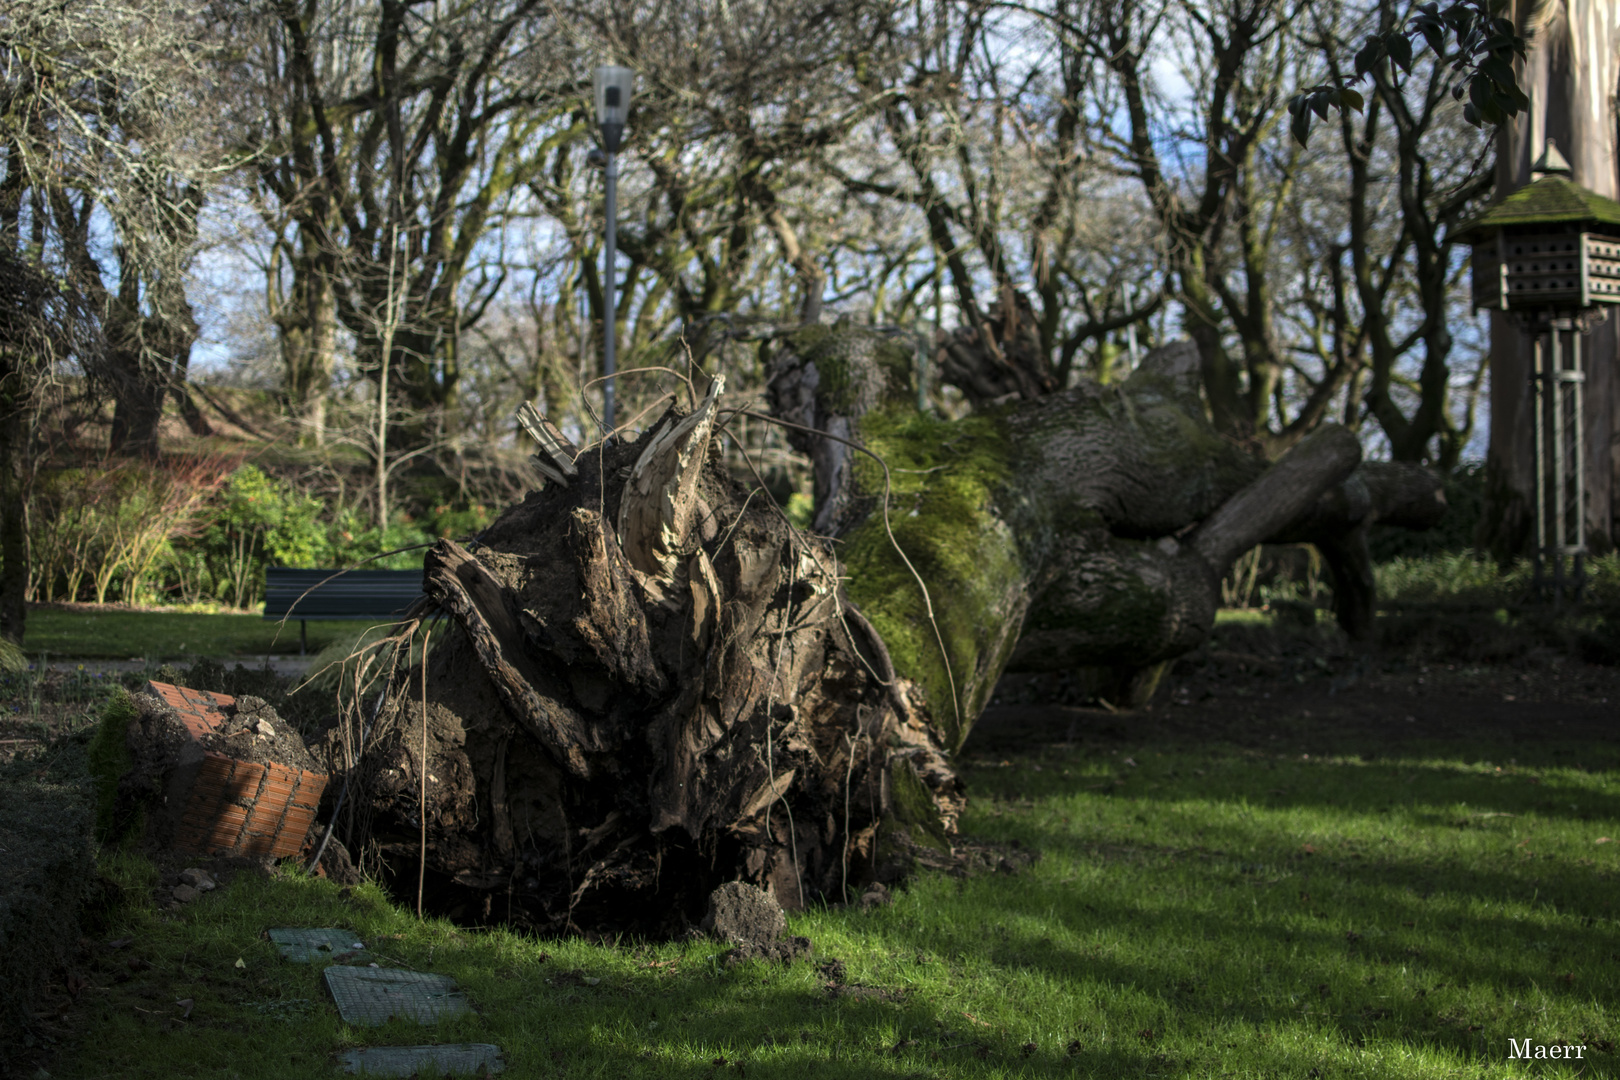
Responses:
[613,86]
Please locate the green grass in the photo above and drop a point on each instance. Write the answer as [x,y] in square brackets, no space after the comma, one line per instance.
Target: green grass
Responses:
[1473,578]
[1207,912]
[122,635]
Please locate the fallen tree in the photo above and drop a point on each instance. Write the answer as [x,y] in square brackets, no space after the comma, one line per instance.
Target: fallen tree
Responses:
[652,683]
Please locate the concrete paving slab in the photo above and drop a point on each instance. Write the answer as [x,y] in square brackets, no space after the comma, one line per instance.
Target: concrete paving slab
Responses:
[302,946]
[371,996]
[451,1060]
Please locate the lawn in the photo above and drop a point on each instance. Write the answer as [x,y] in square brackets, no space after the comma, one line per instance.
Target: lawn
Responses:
[183,636]
[161,635]
[1199,909]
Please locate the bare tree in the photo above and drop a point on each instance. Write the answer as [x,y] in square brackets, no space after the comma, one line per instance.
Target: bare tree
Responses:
[1409,159]
[110,134]
[43,327]
[385,121]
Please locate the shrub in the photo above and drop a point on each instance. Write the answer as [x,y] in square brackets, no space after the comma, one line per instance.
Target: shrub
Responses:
[1473,578]
[102,533]
[355,543]
[1465,505]
[257,521]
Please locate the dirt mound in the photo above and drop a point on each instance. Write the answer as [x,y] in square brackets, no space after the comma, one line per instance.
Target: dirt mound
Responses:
[751,920]
[252,731]
[741,914]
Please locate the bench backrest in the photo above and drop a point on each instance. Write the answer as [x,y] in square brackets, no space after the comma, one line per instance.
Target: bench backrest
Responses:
[352,594]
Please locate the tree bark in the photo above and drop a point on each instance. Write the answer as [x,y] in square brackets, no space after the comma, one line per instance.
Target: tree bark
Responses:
[13,518]
[655,684]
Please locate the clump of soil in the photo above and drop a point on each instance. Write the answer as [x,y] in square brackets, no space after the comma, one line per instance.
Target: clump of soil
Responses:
[252,731]
[306,710]
[156,738]
[751,920]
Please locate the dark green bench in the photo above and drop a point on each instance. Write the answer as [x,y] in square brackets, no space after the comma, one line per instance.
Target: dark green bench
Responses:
[338,594]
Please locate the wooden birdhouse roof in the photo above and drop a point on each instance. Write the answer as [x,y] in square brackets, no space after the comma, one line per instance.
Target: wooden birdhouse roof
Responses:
[1552,203]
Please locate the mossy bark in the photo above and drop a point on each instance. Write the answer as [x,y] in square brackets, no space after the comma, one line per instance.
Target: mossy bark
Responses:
[1073,530]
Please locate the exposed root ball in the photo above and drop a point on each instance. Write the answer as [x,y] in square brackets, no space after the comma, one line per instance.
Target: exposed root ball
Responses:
[650,684]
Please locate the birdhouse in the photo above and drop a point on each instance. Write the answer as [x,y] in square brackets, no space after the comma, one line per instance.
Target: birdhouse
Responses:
[1549,249]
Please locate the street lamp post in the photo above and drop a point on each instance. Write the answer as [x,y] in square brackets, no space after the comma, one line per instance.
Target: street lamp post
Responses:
[613,86]
[1549,254]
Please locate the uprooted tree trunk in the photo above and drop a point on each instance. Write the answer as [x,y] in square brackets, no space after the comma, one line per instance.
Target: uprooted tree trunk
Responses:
[654,684]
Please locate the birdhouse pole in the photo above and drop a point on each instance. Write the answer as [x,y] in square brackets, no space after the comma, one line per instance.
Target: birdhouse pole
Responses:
[1549,253]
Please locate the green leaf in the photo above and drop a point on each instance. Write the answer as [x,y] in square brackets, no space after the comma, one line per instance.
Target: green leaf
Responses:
[1369,55]
[1400,50]
[1351,99]
[1499,70]
[1471,114]
[1434,32]
[1300,127]
[1320,103]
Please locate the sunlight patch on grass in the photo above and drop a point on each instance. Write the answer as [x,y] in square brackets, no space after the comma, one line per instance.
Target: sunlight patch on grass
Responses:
[1192,915]
[122,635]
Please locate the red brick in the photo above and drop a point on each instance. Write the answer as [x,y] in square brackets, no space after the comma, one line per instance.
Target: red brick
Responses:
[238,806]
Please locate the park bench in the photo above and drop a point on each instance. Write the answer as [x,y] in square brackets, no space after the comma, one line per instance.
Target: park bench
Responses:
[335,594]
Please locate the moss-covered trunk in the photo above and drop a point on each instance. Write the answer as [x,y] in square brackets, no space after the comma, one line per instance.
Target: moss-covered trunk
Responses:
[652,683]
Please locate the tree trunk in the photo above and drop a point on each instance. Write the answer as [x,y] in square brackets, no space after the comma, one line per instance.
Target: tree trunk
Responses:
[307,325]
[653,684]
[149,363]
[14,431]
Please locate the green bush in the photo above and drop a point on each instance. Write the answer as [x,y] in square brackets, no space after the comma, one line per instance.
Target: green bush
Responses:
[1473,578]
[257,521]
[355,543]
[1465,505]
[201,531]
[106,533]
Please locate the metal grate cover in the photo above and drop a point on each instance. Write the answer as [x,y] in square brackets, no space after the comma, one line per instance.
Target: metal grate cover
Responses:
[450,1060]
[371,996]
[303,946]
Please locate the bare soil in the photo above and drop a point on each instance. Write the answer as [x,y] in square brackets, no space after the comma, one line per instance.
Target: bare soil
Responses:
[1312,691]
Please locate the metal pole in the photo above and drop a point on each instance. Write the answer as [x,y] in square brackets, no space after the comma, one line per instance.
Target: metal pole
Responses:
[1538,380]
[1577,422]
[1560,465]
[609,272]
